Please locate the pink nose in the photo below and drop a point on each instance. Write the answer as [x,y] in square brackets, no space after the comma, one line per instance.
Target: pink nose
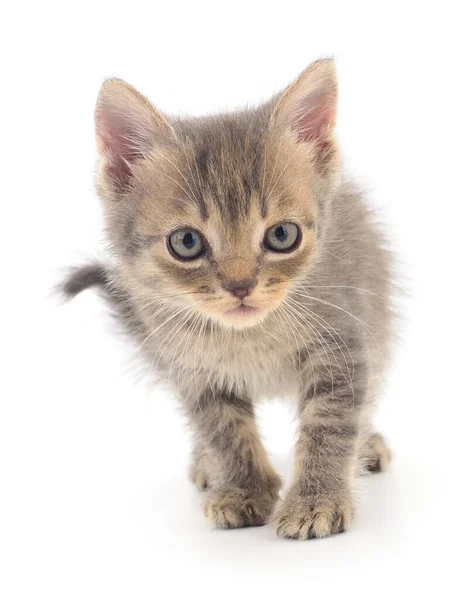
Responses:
[240,289]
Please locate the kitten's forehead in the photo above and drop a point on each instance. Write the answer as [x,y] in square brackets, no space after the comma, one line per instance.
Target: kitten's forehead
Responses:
[225,155]
[238,169]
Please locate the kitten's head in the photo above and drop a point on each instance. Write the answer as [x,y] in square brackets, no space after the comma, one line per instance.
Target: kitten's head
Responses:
[218,213]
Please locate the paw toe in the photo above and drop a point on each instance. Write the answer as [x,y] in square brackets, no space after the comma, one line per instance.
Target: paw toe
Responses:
[302,519]
[233,509]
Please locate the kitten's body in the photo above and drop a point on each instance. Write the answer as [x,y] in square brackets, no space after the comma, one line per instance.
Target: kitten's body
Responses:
[262,361]
[324,340]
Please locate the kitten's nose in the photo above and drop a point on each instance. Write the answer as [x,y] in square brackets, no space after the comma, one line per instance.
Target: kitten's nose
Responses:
[240,289]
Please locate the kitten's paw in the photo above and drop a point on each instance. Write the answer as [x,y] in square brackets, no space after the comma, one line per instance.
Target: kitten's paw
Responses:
[232,508]
[377,455]
[303,517]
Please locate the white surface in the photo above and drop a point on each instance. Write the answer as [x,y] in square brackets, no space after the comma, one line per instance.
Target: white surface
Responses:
[94,498]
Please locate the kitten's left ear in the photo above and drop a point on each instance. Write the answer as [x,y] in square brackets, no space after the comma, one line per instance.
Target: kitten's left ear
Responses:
[308,106]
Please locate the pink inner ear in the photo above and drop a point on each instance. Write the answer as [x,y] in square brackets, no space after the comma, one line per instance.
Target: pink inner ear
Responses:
[118,139]
[314,116]
[117,136]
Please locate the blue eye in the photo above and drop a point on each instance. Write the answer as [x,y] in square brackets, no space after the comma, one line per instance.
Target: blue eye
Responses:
[282,237]
[186,244]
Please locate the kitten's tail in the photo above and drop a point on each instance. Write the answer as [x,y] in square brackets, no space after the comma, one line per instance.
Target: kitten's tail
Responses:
[84,277]
[97,275]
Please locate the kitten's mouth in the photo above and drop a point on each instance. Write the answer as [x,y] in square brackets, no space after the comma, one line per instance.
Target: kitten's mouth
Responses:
[243,315]
[242,309]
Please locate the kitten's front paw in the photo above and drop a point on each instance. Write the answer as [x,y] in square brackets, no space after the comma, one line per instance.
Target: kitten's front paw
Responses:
[303,517]
[232,508]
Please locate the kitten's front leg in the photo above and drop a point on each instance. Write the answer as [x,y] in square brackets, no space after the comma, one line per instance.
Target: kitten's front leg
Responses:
[243,485]
[320,501]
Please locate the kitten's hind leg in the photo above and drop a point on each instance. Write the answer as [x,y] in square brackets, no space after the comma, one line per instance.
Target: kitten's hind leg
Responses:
[375,455]
[199,470]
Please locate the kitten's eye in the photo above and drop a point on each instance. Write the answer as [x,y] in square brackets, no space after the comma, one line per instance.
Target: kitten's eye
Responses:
[186,244]
[283,237]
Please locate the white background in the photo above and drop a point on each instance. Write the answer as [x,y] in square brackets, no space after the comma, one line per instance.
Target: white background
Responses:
[94,497]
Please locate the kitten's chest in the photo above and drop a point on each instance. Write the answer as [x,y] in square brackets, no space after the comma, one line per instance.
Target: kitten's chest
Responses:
[258,365]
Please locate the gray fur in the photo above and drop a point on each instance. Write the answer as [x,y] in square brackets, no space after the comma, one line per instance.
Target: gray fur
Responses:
[327,343]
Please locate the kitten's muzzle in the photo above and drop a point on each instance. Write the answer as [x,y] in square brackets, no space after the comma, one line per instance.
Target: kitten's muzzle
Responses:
[240,289]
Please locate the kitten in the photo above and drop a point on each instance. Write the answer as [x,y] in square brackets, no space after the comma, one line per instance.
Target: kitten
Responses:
[247,267]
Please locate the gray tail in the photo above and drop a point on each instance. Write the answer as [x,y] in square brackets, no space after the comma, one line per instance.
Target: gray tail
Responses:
[82,278]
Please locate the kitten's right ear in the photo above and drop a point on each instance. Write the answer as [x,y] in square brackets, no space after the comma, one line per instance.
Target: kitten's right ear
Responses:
[308,107]
[128,127]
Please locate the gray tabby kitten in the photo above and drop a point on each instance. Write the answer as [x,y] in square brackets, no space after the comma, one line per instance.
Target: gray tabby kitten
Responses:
[247,267]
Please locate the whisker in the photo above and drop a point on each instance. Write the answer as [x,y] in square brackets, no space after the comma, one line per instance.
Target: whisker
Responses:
[166,296]
[199,182]
[304,286]
[282,172]
[350,380]
[365,325]
[274,167]
[331,253]
[283,321]
[326,324]
[171,334]
[193,195]
[161,325]
[328,365]
[157,172]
